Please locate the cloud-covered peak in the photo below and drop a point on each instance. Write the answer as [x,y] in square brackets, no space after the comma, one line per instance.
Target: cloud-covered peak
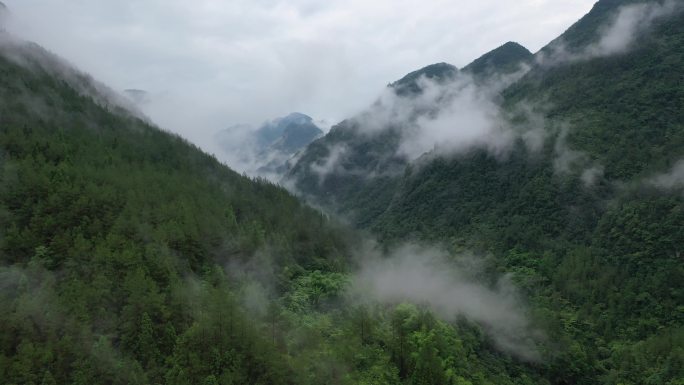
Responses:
[504,59]
[410,84]
[611,27]
[265,150]
[245,61]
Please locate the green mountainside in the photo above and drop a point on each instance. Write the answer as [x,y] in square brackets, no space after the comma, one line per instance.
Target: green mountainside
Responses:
[503,60]
[368,165]
[577,221]
[409,84]
[624,102]
[129,256]
[587,30]
[114,240]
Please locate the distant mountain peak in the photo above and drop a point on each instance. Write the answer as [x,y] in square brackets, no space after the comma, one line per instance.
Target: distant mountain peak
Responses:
[516,45]
[589,28]
[267,149]
[504,59]
[295,118]
[296,122]
[438,72]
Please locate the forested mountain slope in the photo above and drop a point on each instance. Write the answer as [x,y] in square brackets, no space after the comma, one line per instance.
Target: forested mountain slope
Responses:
[128,256]
[355,168]
[114,240]
[583,202]
[505,59]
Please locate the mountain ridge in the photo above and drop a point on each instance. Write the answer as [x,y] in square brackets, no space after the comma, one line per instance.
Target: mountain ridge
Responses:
[267,150]
[570,191]
[128,255]
[505,59]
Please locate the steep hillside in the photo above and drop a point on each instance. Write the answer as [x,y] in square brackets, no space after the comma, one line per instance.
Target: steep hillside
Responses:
[505,59]
[128,256]
[410,84]
[114,240]
[355,169]
[583,202]
[624,102]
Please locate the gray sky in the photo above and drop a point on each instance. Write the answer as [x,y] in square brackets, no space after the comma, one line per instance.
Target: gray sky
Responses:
[209,64]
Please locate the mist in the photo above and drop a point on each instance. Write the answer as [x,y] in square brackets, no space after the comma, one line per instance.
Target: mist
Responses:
[460,114]
[35,58]
[618,36]
[236,145]
[445,118]
[464,116]
[672,179]
[206,66]
[630,21]
[265,151]
[569,161]
[427,276]
[330,164]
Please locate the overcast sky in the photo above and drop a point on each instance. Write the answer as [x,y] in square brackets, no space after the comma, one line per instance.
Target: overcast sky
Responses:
[210,64]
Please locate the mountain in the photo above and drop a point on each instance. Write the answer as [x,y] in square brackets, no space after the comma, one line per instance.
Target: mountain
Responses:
[588,29]
[115,242]
[503,60]
[265,151]
[562,190]
[335,170]
[288,134]
[409,84]
[129,256]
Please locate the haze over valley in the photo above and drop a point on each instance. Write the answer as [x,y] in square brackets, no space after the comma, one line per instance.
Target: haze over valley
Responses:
[268,192]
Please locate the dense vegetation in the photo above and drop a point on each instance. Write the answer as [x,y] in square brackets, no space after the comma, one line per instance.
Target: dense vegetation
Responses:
[503,60]
[128,256]
[114,240]
[599,257]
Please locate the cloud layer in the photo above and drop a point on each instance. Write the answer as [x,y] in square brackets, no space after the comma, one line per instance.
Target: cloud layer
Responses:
[447,117]
[426,276]
[207,64]
[617,36]
[672,179]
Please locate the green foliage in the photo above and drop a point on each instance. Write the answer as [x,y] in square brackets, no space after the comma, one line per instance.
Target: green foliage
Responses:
[600,262]
[503,60]
[111,234]
[410,85]
[314,289]
[124,252]
[127,255]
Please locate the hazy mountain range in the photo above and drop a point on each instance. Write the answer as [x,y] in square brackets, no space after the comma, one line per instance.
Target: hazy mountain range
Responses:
[516,221]
[266,150]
